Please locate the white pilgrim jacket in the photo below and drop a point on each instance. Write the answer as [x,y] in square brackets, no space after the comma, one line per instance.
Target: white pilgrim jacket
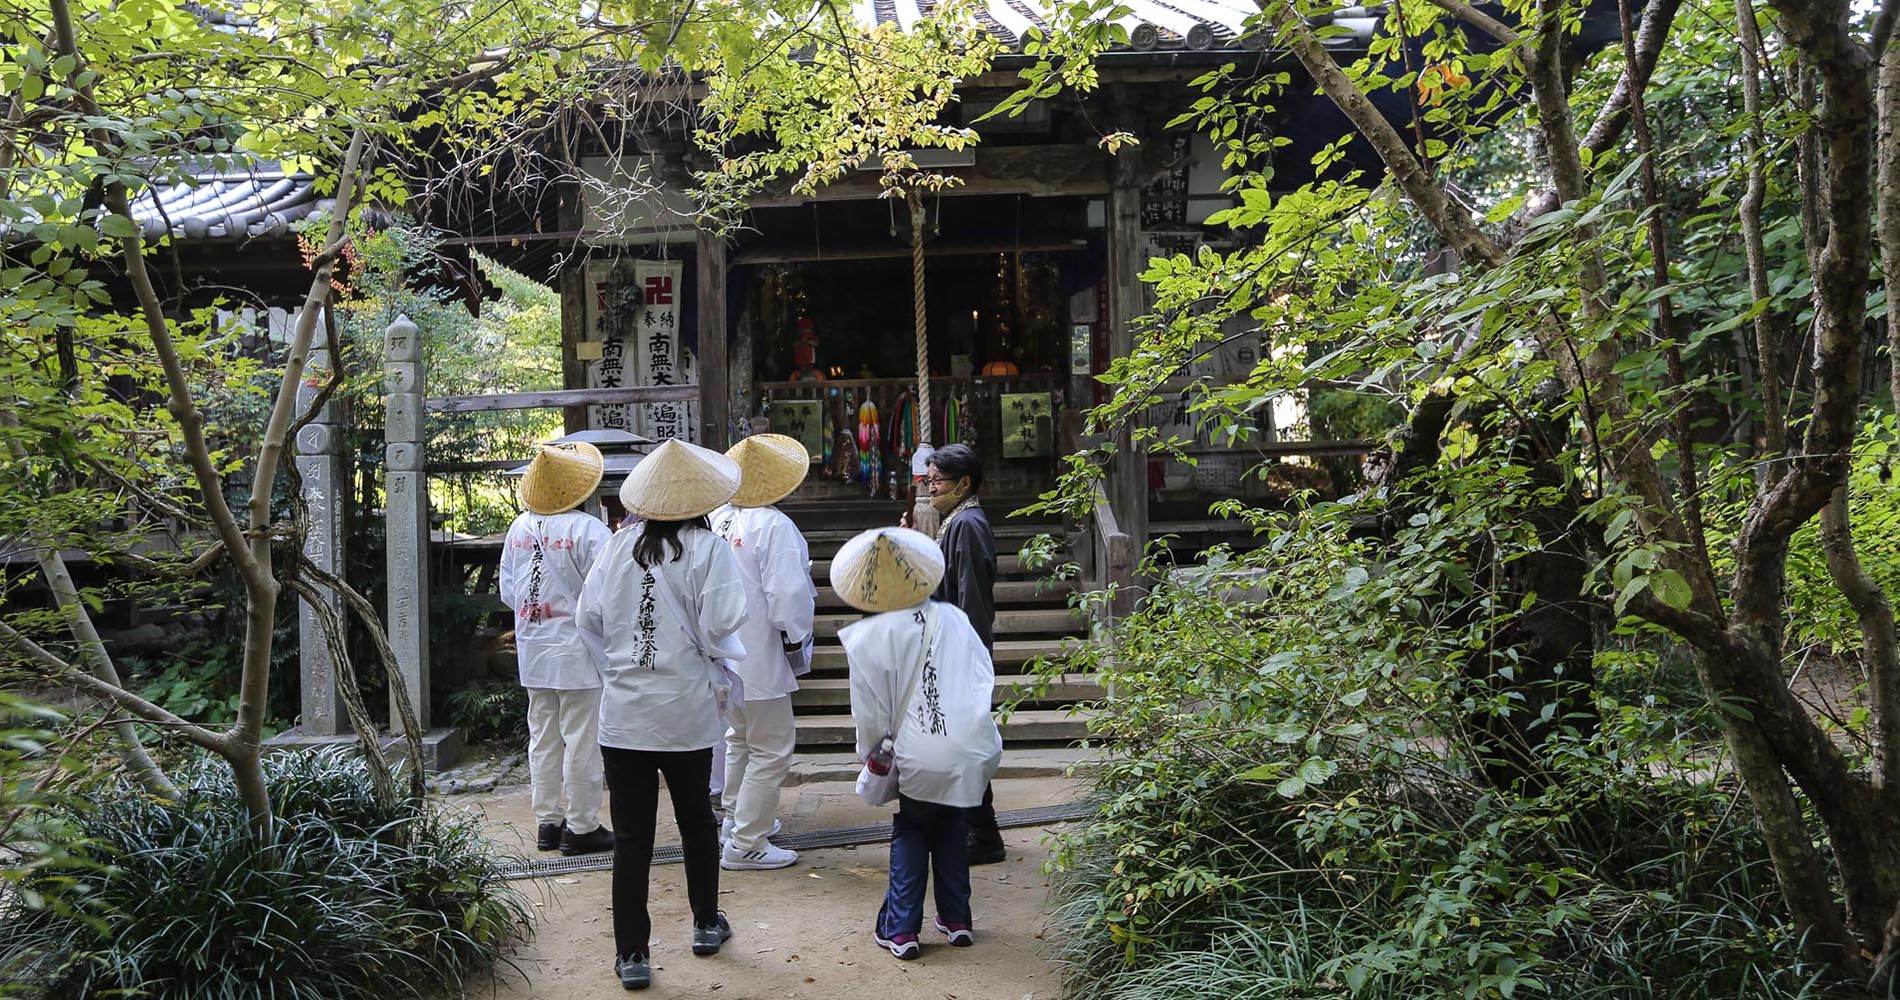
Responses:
[544,560]
[780,598]
[661,632]
[947,745]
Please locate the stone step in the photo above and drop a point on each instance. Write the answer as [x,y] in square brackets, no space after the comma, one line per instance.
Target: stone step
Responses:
[1049,621]
[1010,655]
[825,542]
[833,694]
[1009,594]
[1047,725]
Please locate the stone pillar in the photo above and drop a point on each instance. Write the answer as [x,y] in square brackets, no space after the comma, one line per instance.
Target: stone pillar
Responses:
[406,514]
[322,459]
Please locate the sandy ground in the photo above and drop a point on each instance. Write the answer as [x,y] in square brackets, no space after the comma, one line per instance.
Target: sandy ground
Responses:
[803,932]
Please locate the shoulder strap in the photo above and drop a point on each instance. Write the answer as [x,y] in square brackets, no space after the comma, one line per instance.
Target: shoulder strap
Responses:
[917,673]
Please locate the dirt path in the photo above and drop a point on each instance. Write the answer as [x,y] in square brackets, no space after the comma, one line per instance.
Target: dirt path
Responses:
[801,933]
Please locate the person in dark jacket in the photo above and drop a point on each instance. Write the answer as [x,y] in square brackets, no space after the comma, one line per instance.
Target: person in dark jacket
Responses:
[969,582]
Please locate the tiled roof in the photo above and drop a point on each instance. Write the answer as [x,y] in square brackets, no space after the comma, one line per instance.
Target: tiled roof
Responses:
[260,202]
[1151,24]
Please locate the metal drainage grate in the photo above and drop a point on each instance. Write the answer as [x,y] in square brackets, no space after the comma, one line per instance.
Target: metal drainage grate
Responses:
[875,833]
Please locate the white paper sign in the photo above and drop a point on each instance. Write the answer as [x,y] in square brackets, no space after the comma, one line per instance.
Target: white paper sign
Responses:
[634,311]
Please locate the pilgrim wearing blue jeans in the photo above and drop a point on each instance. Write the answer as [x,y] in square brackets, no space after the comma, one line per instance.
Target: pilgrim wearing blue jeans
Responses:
[921,680]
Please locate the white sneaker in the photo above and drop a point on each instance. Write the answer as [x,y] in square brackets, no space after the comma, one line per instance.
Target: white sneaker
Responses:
[726,828]
[764,859]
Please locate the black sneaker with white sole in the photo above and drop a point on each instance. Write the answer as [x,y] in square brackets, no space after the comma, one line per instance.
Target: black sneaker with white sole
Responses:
[707,939]
[635,972]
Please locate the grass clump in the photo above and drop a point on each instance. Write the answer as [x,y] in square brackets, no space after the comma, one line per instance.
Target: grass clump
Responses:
[348,899]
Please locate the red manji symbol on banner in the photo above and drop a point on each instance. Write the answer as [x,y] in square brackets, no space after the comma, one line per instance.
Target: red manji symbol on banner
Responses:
[660,290]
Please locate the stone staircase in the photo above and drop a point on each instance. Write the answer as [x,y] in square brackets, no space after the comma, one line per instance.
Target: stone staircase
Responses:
[1032,620]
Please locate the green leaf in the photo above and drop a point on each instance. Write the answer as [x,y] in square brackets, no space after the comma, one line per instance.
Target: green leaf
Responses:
[117,226]
[1671,588]
[1315,770]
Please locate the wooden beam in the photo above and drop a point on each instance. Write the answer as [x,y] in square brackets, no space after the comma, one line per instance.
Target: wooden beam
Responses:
[1283,449]
[1128,486]
[573,286]
[715,401]
[1068,169]
[569,398]
[782,255]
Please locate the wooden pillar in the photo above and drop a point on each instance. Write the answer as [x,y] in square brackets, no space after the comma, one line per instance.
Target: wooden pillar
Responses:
[1128,475]
[715,396]
[573,288]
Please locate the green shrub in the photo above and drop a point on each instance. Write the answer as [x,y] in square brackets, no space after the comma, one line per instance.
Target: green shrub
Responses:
[490,710]
[348,898]
[1295,803]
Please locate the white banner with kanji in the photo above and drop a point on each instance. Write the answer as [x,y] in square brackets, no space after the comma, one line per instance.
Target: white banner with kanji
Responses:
[634,311]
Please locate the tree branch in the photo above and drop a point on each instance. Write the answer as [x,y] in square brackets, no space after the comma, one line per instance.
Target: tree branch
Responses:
[1877,646]
[1657,231]
[58,669]
[261,613]
[1651,36]
[1887,204]
[1846,124]
[1774,434]
[331,624]
[183,409]
[66,596]
[1451,221]
[1504,33]
[398,690]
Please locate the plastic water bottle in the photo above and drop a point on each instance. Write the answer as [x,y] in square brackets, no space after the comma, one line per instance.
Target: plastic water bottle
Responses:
[879,763]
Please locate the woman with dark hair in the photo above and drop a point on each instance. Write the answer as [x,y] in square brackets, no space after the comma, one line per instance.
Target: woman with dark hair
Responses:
[661,606]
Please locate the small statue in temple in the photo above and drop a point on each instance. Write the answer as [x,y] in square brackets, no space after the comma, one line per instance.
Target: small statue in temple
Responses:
[805,354]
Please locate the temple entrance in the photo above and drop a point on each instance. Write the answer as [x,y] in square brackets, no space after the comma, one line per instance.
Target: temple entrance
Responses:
[830,346]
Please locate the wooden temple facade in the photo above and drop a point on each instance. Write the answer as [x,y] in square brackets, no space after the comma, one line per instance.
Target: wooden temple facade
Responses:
[802,322]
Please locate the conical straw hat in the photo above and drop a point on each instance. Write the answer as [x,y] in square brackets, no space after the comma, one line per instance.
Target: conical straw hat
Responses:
[561,477]
[770,467]
[679,481]
[887,569]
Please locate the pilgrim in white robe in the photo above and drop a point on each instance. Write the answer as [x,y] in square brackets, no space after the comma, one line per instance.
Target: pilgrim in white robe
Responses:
[947,746]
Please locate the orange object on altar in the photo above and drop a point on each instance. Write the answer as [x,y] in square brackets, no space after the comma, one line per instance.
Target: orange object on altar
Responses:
[1001,368]
[805,354]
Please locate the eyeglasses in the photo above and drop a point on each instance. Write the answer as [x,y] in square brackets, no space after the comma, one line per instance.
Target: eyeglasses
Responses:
[939,481]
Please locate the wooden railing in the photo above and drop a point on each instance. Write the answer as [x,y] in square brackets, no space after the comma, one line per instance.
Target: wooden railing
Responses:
[1110,560]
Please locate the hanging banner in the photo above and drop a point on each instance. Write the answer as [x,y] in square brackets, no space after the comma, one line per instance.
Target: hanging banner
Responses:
[633,310]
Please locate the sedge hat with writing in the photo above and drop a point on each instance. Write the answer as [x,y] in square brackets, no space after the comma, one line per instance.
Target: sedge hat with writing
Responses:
[887,569]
